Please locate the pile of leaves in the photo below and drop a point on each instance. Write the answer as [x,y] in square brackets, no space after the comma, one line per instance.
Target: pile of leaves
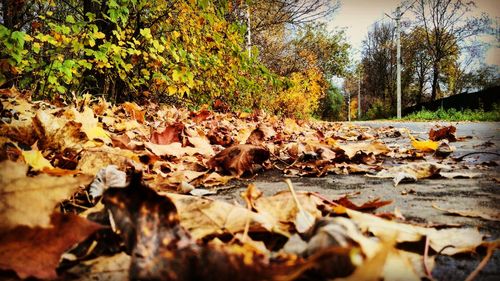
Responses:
[95,190]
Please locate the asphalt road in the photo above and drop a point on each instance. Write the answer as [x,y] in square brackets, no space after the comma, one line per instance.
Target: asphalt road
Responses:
[415,200]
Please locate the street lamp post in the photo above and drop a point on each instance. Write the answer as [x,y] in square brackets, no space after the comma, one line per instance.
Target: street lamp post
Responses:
[397,18]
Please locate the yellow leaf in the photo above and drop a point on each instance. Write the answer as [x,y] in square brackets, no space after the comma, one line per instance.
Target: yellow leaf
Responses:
[426,146]
[99,35]
[172,90]
[35,159]
[97,133]
[31,200]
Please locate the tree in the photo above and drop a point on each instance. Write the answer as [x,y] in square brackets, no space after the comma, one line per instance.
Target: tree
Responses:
[417,63]
[446,25]
[379,66]
[331,105]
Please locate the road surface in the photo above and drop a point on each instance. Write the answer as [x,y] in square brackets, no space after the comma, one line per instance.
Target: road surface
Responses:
[415,200]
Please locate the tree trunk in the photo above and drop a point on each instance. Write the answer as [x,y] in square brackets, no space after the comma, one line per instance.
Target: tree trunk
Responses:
[12,13]
[435,81]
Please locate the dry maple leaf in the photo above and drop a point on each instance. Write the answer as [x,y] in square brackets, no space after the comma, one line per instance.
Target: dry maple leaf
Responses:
[411,171]
[447,133]
[239,159]
[172,133]
[424,146]
[102,268]
[134,111]
[375,147]
[204,217]
[30,200]
[446,241]
[90,125]
[367,206]
[37,251]
[256,137]
[57,132]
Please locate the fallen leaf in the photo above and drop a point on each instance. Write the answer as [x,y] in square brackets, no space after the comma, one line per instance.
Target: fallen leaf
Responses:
[367,206]
[256,137]
[454,175]
[174,149]
[103,268]
[444,149]
[304,220]
[30,200]
[201,146]
[487,214]
[94,159]
[375,147]
[425,146]
[57,132]
[238,159]
[134,111]
[90,125]
[203,217]
[452,241]
[413,171]
[36,251]
[161,248]
[446,241]
[282,207]
[106,178]
[172,133]
[36,160]
[448,133]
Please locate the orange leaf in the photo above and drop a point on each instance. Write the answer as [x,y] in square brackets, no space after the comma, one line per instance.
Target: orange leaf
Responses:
[36,251]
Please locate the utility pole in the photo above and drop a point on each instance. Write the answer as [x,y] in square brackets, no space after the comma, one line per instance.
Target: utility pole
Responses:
[249,33]
[359,92]
[397,18]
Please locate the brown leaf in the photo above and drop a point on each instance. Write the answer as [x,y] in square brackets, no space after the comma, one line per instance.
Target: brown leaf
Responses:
[30,200]
[103,268]
[204,217]
[412,171]
[283,208]
[375,147]
[437,134]
[239,159]
[172,133]
[487,214]
[201,115]
[134,111]
[57,132]
[94,159]
[367,206]
[36,251]
[256,137]
[447,241]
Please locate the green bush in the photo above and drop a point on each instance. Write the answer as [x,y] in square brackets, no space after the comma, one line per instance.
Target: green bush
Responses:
[330,105]
[456,115]
[378,110]
[125,50]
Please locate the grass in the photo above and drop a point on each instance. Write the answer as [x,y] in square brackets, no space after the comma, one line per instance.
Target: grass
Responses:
[456,115]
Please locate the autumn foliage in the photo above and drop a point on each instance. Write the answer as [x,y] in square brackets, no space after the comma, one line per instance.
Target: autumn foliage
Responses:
[122,191]
[184,53]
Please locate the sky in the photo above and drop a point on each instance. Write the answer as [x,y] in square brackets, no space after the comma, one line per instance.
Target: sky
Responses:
[356,17]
